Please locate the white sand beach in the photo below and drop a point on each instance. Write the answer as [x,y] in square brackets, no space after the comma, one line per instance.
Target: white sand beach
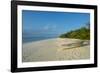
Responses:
[55,49]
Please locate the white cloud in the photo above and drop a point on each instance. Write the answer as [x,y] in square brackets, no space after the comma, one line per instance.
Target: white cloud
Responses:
[46,27]
[50,26]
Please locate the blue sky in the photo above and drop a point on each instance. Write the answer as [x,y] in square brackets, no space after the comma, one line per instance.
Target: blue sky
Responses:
[43,22]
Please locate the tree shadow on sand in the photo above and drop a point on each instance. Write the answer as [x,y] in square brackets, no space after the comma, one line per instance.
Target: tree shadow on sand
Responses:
[76,45]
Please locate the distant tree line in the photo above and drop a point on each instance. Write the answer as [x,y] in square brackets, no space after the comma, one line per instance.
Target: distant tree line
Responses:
[81,33]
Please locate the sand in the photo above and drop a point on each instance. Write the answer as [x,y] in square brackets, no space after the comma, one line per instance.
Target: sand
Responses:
[55,49]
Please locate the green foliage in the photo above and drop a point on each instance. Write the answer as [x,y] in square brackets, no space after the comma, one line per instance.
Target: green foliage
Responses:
[82,33]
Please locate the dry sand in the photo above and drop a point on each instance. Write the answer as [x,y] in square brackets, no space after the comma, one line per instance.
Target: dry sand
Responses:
[54,50]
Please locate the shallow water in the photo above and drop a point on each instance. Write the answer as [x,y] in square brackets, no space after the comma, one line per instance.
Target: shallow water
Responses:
[30,39]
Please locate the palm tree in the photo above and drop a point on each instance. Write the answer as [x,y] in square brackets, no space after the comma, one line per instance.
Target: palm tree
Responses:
[88,25]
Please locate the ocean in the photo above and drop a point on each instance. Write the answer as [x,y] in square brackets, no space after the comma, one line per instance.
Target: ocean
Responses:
[32,38]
